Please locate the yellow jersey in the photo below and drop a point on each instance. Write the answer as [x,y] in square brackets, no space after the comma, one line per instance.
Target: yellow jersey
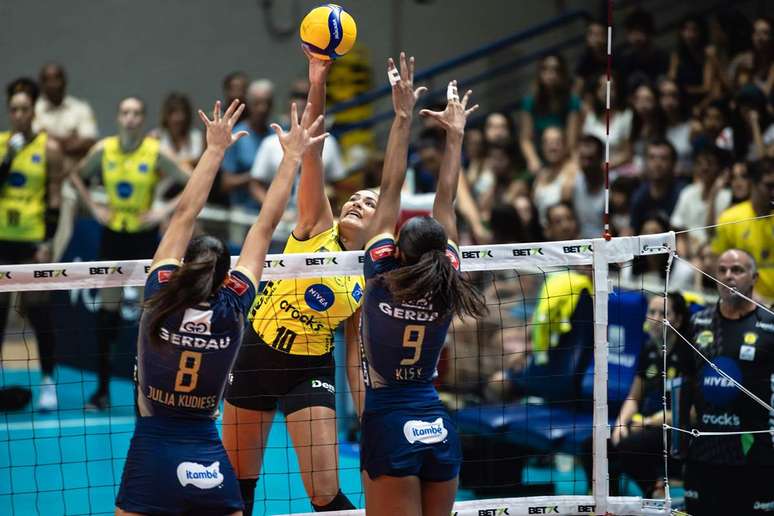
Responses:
[23,196]
[754,236]
[300,315]
[130,182]
[556,304]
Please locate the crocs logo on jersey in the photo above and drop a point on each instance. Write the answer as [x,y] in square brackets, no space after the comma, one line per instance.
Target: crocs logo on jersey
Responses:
[197,321]
[717,389]
[307,320]
[16,179]
[319,297]
[199,475]
[425,432]
[124,189]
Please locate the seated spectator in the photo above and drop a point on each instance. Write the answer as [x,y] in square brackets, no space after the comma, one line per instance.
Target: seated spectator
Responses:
[692,65]
[235,88]
[707,129]
[474,154]
[760,59]
[240,157]
[639,58]
[621,191]
[648,124]
[704,260]
[637,440]
[529,218]
[595,120]
[551,104]
[588,194]
[556,179]
[693,204]
[593,60]
[740,184]
[677,124]
[736,231]
[176,133]
[750,130]
[422,175]
[660,190]
[649,272]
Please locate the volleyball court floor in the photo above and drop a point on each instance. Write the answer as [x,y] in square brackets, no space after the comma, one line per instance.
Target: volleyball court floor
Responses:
[70,461]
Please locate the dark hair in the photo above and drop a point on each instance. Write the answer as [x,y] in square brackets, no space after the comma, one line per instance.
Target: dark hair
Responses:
[427,272]
[508,122]
[751,97]
[135,97]
[617,100]
[663,142]
[232,76]
[757,169]
[204,269]
[593,140]
[22,85]
[561,204]
[176,101]
[56,66]
[659,118]
[640,20]
[701,27]
[431,137]
[553,102]
[681,309]
[506,225]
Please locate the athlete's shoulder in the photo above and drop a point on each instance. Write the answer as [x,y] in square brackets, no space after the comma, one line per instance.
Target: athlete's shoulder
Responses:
[325,241]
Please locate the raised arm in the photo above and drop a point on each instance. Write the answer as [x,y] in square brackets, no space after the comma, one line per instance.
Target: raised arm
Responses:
[219,138]
[314,209]
[404,97]
[294,144]
[452,119]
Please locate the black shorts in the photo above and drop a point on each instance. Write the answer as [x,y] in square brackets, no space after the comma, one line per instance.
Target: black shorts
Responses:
[264,379]
[128,246]
[715,489]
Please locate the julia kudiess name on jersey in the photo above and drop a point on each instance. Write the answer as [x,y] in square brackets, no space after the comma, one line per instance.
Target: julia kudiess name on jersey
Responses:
[174,399]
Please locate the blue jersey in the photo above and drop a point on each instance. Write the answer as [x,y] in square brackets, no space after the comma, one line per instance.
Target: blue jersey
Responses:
[402,342]
[186,378]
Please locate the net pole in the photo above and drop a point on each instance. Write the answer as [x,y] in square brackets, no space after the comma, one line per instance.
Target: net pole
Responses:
[601,486]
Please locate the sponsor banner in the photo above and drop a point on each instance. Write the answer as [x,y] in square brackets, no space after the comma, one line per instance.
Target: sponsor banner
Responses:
[64,276]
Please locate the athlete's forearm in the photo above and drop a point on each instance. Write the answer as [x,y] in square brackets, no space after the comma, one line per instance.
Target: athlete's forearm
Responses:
[198,187]
[276,198]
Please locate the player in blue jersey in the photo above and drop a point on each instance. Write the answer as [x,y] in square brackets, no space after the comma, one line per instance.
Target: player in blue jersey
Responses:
[190,333]
[410,452]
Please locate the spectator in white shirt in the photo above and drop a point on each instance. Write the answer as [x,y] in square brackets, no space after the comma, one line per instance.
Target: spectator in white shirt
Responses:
[176,133]
[67,119]
[588,195]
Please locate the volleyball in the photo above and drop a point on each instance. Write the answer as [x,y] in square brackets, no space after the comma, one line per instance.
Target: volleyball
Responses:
[328,32]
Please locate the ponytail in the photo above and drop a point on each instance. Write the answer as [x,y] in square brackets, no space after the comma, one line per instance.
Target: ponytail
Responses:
[204,269]
[433,277]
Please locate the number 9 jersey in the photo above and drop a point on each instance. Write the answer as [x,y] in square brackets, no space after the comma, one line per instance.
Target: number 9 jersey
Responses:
[187,377]
[402,342]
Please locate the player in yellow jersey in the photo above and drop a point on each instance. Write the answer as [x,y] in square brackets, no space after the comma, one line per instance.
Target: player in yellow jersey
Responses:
[131,166]
[286,361]
[30,190]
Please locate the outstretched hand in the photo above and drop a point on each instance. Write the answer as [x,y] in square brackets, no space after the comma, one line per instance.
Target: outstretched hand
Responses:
[404,96]
[453,118]
[295,141]
[219,136]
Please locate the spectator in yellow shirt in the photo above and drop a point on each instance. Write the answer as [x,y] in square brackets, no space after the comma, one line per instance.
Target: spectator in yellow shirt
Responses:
[754,236]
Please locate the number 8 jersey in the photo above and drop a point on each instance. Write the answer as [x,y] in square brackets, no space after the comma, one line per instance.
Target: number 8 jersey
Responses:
[401,342]
[186,377]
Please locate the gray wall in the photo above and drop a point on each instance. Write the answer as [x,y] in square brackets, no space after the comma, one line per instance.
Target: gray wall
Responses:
[112,48]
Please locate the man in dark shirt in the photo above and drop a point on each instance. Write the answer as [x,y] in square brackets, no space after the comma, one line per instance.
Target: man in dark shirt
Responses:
[730,473]
[659,192]
[638,59]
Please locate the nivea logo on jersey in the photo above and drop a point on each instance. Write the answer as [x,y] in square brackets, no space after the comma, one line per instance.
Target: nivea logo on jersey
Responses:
[199,475]
[719,390]
[124,189]
[357,293]
[197,321]
[142,167]
[425,432]
[16,179]
[319,297]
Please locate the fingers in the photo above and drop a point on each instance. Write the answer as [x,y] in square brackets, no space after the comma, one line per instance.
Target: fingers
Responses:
[316,125]
[305,115]
[404,72]
[466,98]
[239,135]
[451,92]
[216,112]
[392,73]
[293,115]
[318,139]
[431,114]
[235,117]
[231,108]
[204,118]
[277,129]
[419,91]
[469,111]
[411,69]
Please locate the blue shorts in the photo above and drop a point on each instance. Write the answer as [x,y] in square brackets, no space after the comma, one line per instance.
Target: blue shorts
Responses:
[410,442]
[178,466]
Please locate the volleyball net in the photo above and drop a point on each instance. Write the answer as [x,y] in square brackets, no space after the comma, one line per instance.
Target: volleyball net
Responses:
[534,387]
